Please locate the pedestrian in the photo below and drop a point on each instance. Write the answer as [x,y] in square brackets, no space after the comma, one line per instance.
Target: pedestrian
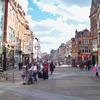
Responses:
[88,65]
[35,69]
[20,65]
[97,70]
[40,71]
[81,66]
[45,70]
[59,63]
[52,66]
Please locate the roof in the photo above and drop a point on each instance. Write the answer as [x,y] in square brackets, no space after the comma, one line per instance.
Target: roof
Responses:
[79,33]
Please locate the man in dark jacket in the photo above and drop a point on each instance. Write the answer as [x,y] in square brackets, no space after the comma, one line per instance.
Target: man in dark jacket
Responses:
[52,66]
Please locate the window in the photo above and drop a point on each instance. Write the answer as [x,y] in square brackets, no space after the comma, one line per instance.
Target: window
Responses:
[10,35]
[98,25]
[99,39]
[86,49]
[85,42]
[89,50]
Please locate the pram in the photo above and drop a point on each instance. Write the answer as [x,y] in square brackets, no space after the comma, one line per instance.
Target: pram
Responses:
[30,77]
[27,76]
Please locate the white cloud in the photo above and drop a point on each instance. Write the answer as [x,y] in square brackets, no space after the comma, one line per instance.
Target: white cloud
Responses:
[24,4]
[54,32]
[79,13]
[73,12]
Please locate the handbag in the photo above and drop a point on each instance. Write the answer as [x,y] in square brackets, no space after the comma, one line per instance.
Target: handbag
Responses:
[94,69]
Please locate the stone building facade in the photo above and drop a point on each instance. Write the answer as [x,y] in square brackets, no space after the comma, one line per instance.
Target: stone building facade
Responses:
[16,35]
[62,53]
[68,57]
[94,24]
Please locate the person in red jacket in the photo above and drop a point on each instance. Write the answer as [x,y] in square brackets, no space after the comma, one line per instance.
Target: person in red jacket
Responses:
[45,70]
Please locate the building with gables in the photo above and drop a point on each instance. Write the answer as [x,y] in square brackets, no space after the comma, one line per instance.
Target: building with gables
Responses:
[81,47]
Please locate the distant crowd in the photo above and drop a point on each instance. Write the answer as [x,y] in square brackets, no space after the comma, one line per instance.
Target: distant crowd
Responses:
[89,66]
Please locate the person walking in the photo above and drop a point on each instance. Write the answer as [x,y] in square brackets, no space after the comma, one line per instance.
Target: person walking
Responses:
[35,69]
[97,70]
[20,64]
[40,71]
[45,70]
[52,66]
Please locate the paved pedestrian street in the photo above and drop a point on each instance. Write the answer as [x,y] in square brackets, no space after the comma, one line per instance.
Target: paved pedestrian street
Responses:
[65,84]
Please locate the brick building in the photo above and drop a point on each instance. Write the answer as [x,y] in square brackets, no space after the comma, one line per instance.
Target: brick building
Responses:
[81,46]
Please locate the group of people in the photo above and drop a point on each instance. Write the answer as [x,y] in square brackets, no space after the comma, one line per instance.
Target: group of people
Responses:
[36,70]
[88,66]
[84,65]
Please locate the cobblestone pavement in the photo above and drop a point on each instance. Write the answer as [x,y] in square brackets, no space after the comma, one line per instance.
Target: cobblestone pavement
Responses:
[64,84]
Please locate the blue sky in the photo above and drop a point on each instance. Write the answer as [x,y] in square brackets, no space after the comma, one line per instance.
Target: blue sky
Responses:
[55,21]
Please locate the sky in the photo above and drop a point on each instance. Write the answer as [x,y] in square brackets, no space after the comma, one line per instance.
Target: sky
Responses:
[54,21]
